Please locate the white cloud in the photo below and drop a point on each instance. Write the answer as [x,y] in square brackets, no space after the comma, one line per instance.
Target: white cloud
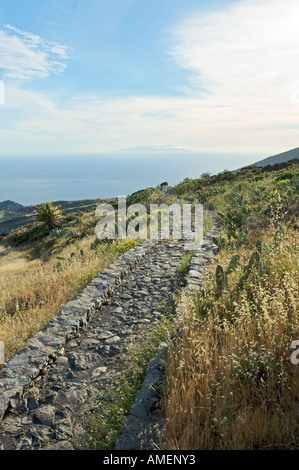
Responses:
[245,57]
[42,125]
[28,56]
[245,54]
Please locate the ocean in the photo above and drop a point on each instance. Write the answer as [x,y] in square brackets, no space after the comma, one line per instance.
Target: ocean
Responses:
[33,180]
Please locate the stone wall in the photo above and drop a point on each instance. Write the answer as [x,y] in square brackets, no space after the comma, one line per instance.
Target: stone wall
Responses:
[43,349]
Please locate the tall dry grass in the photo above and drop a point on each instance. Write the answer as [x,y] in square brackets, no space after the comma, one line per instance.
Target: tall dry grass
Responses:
[230,382]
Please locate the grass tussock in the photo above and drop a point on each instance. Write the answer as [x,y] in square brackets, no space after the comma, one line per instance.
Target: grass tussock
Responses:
[230,382]
[32,292]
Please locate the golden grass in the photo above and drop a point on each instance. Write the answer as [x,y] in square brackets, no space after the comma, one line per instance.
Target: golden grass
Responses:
[32,291]
[230,382]
[19,266]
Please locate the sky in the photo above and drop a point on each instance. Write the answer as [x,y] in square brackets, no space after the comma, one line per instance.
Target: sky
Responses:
[97,76]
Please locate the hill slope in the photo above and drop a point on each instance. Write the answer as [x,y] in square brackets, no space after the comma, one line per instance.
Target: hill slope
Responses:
[11,207]
[280,158]
[14,215]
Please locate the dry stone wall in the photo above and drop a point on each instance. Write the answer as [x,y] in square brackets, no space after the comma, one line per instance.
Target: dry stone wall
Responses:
[47,345]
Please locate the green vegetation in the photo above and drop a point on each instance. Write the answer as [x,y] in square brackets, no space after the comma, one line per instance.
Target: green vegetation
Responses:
[127,245]
[230,383]
[49,214]
[183,269]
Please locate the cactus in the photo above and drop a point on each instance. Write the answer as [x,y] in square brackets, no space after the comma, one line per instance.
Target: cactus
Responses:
[254,261]
[242,281]
[56,233]
[241,238]
[231,234]
[219,242]
[221,279]
[234,262]
[255,264]
[235,218]
[221,275]
[72,234]
[278,237]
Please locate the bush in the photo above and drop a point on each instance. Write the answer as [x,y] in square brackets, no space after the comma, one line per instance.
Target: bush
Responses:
[125,246]
[30,235]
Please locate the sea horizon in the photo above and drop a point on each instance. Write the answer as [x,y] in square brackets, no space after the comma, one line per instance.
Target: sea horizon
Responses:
[31,180]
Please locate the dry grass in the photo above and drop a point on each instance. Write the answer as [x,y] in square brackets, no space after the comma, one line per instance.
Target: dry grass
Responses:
[230,382]
[33,291]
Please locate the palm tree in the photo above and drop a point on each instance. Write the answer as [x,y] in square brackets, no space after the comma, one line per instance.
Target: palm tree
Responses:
[49,214]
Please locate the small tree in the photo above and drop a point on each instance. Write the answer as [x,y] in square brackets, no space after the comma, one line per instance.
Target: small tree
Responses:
[49,214]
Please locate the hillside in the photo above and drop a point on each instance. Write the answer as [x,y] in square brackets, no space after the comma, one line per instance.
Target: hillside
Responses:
[11,207]
[231,383]
[279,158]
[14,216]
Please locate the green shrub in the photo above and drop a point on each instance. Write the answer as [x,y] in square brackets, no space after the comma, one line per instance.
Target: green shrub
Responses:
[183,269]
[30,234]
[126,246]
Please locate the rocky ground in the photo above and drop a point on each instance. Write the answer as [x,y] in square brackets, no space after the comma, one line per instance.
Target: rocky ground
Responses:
[51,409]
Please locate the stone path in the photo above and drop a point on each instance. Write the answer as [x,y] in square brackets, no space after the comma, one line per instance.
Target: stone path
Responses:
[50,410]
[142,427]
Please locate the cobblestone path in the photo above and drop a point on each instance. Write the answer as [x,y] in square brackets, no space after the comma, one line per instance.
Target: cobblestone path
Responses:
[48,415]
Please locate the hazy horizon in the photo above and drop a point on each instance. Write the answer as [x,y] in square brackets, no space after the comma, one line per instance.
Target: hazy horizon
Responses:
[32,180]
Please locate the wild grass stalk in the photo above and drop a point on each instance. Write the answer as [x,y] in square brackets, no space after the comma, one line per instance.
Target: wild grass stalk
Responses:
[230,382]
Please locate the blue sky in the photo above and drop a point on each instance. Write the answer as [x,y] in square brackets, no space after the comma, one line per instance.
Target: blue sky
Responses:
[95,76]
[115,46]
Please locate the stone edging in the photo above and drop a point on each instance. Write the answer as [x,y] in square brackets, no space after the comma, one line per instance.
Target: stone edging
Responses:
[143,421]
[42,350]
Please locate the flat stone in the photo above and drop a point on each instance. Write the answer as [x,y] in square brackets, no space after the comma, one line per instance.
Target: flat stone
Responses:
[51,397]
[13,424]
[105,335]
[64,430]
[32,403]
[76,396]
[44,416]
[25,443]
[114,339]
[138,410]
[99,371]
[63,361]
